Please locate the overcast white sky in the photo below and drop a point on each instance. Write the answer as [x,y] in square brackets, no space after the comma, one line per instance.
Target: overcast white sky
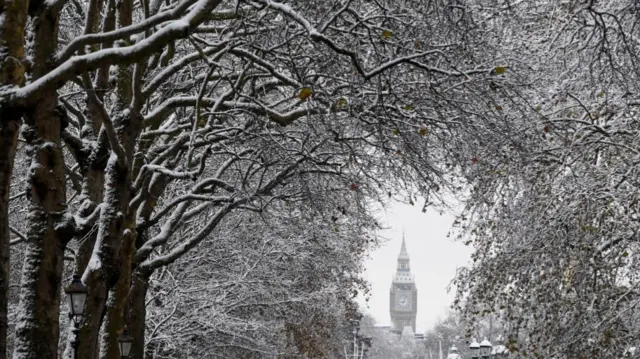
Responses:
[434,259]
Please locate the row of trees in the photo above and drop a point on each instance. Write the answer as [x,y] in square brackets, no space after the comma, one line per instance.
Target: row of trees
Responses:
[207,166]
[236,147]
[551,193]
[447,332]
[555,223]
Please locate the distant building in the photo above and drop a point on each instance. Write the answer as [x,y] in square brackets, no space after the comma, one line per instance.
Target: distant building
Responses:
[382,328]
[403,296]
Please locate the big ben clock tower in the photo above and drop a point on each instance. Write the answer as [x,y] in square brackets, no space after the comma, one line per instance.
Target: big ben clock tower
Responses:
[403,297]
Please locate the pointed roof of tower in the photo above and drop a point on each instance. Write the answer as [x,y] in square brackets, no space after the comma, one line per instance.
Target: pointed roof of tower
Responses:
[403,251]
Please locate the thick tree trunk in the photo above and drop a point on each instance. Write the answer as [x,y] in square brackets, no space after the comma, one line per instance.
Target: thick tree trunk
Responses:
[136,313]
[117,235]
[104,273]
[117,224]
[37,330]
[9,128]
[94,314]
[92,169]
[97,296]
[114,322]
[110,266]
[13,17]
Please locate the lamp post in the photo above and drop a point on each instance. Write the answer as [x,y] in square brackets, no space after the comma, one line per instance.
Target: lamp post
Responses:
[475,349]
[453,352]
[485,349]
[125,341]
[363,351]
[356,329]
[77,295]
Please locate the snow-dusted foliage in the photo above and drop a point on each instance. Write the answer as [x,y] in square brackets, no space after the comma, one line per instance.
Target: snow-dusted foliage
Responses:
[554,218]
[153,129]
[207,167]
[260,288]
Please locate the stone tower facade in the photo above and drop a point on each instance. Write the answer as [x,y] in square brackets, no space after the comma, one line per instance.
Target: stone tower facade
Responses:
[403,296]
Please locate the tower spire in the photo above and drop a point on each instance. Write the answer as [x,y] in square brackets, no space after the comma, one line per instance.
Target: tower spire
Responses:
[403,250]
[404,295]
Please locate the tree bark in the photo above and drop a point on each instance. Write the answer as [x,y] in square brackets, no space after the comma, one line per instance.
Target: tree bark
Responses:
[105,272]
[13,18]
[114,322]
[136,313]
[9,128]
[116,233]
[37,331]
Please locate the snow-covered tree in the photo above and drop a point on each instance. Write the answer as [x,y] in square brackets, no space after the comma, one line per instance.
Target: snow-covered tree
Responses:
[553,218]
[271,287]
[148,124]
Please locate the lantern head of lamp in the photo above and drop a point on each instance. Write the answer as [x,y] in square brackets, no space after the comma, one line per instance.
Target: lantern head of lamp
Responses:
[125,341]
[485,348]
[474,347]
[77,295]
[355,324]
[453,350]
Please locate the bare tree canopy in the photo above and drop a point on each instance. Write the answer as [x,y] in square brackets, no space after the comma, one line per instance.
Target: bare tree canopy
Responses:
[555,226]
[149,127]
[209,168]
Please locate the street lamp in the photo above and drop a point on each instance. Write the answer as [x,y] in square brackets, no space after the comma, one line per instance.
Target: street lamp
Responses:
[125,341]
[453,353]
[364,341]
[485,349]
[76,295]
[475,349]
[356,329]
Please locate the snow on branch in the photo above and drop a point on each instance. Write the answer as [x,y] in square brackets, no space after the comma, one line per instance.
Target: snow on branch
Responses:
[151,168]
[21,237]
[266,65]
[317,36]
[115,144]
[83,223]
[173,68]
[94,38]
[191,242]
[124,55]
[282,119]
[211,200]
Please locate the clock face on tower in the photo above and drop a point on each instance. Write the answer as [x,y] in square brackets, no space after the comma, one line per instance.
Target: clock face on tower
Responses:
[402,302]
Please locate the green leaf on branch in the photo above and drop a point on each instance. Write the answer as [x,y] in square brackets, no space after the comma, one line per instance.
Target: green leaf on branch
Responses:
[305,93]
[201,122]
